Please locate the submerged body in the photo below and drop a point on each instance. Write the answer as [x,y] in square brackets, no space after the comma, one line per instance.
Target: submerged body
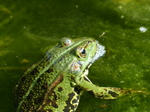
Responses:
[56,83]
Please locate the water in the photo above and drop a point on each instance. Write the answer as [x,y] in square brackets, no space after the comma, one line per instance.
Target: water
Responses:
[29,27]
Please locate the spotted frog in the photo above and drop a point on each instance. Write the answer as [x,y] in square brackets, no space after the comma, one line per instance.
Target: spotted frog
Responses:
[56,83]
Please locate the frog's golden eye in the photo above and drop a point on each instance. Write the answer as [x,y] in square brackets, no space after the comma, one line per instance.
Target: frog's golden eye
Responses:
[66,41]
[81,52]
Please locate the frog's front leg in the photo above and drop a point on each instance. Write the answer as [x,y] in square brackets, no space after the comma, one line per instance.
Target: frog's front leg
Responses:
[100,92]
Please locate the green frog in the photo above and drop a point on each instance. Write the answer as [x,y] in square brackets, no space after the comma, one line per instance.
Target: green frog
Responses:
[56,83]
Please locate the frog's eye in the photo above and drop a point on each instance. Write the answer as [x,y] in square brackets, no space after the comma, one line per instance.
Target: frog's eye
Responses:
[66,41]
[81,52]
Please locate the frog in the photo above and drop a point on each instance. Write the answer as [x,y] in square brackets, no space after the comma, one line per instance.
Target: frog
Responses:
[57,82]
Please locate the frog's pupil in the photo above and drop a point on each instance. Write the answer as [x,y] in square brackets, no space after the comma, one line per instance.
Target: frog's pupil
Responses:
[83,51]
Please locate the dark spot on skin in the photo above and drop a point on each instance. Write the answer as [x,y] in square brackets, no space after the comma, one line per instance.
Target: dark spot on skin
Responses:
[54,100]
[29,96]
[75,101]
[113,93]
[49,110]
[35,71]
[77,90]
[21,93]
[105,89]
[61,59]
[48,56]
[49,70]
[38,100]
[75,106]
[49,94]
[23,78]
[78,97]
[71,95]
[58,61]
[47,101]
[54,105]
[39,80]
[25,105]
[96,95]
[60,89]
[69,103]
[44,86]
[66,109]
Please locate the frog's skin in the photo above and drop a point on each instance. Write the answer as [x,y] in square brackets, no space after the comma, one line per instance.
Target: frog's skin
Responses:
[56,83]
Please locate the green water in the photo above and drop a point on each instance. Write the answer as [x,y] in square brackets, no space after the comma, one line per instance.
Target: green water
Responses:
[27,28]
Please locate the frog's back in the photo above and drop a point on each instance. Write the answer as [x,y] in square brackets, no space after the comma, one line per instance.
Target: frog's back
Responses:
[47,97]
[41,89]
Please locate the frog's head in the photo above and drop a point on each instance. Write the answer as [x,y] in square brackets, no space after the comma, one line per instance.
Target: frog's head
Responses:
[85,52]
